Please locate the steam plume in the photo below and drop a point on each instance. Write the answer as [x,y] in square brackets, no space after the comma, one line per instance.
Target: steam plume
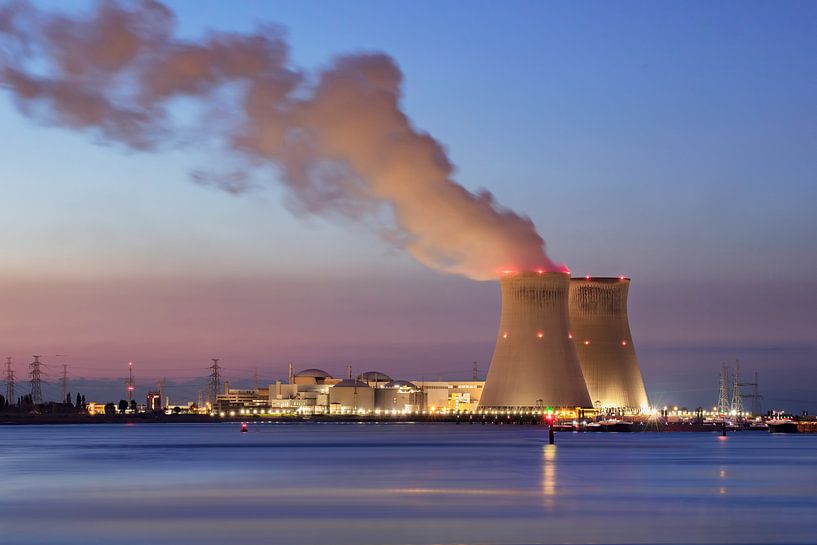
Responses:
[338,140]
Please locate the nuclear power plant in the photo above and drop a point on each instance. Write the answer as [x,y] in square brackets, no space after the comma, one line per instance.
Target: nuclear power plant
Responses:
[563,342]
[601,333]
[534,363]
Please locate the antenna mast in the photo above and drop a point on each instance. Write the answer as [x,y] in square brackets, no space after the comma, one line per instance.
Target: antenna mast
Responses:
[130,381]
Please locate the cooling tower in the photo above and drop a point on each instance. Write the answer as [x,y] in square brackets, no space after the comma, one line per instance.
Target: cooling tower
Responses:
[601,333]
[535,363]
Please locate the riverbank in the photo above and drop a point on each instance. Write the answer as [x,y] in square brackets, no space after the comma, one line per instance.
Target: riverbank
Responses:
[636,425]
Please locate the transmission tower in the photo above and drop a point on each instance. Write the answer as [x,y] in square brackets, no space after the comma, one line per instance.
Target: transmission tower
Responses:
[737,400]
[255,379]
[64,381]
[755,396]
[9,381]
[723,393]
[130,386]
[214,386]
[36,381]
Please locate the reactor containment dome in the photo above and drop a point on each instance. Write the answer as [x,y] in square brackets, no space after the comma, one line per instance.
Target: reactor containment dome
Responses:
[601,333]
[535,363]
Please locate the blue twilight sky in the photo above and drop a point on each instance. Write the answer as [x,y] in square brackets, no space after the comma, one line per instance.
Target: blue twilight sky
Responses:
[672,142]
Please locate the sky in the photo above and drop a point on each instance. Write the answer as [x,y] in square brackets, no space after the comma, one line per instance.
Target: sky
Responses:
[675,143]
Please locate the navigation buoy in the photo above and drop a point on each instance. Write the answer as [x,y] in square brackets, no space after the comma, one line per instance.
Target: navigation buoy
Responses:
[244,427]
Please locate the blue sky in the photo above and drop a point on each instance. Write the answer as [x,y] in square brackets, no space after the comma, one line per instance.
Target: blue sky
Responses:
[672,142]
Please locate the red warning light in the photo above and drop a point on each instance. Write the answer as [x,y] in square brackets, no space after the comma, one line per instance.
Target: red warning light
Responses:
[569,335]
[587,277]
[623,343]
[540,334]
[586,342]
[621,277]
[505,335]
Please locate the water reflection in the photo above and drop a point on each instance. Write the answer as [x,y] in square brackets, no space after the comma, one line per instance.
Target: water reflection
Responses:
[335,484]
[549,475]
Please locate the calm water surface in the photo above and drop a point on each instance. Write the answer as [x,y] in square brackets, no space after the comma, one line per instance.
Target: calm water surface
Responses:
[400,484]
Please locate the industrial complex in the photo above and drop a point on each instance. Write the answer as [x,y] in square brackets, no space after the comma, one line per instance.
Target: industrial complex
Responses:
[563,348]
[316,392]
[562,343]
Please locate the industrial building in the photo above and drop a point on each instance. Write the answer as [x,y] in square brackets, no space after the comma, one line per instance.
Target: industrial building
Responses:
[316,392]
[601,334]
[535,364]
[456,395]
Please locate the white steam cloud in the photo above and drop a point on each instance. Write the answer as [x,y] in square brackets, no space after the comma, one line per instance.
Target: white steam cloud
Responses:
[338,140]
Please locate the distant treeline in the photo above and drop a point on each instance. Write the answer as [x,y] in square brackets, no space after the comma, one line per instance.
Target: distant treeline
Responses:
[26,403]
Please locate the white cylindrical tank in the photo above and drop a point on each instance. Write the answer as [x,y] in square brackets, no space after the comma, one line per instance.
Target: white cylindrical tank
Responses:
[534,363]
[601,332]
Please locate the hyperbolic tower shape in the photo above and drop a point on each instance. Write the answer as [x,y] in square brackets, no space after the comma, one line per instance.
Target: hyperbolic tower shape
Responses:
[601,333]
[535,363]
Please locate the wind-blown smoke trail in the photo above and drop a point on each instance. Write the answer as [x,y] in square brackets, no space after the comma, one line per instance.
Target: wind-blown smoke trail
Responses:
[338,139]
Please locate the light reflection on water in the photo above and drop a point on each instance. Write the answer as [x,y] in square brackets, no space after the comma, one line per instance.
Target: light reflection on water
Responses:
[399,484]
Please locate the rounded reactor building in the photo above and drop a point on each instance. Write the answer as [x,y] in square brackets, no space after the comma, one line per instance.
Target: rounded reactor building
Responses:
[535,363]
[601,333]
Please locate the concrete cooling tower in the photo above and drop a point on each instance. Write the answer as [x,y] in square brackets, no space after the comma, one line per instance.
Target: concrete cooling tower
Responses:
[535,363]
[601,333]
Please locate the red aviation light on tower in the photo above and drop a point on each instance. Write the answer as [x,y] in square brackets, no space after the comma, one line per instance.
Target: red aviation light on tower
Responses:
[623,343]
[540,334]
[622,277]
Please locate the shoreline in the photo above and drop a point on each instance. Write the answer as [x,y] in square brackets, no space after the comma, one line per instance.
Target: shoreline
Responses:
[466,420]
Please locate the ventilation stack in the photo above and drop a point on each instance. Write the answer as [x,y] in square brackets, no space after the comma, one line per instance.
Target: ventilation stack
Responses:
[534,364]
[601,332]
